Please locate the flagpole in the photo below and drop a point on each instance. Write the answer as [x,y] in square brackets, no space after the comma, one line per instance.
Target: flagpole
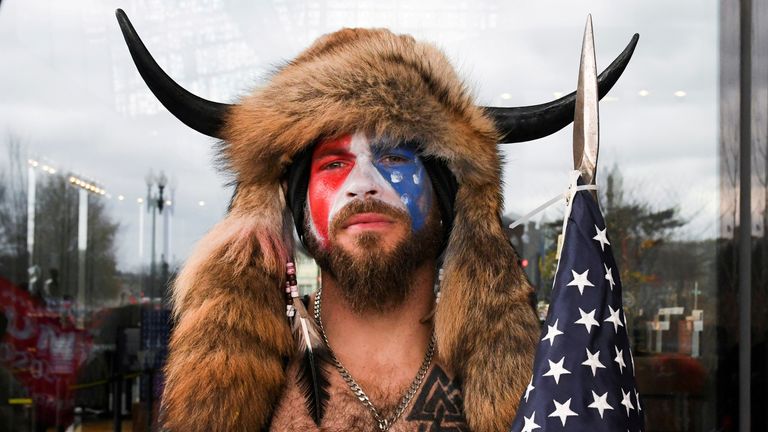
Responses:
[745,217]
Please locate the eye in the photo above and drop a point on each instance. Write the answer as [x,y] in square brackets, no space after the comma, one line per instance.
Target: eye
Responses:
[333,165]
[394,159]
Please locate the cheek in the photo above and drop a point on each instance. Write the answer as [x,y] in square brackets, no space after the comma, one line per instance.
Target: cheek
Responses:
[412,186]
[321,194]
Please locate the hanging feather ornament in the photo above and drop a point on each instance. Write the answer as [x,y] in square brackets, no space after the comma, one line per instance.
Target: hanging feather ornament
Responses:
[436,288]
[312,374]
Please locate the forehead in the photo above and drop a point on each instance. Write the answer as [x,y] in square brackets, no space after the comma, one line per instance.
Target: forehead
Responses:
[331,146]
[358,143]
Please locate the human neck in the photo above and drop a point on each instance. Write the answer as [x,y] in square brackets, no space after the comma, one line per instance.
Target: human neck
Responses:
[381,347]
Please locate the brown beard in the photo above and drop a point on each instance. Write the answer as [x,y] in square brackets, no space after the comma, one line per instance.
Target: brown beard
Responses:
[373,279]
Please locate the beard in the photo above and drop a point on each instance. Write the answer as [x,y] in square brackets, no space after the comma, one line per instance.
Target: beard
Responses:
[371,278]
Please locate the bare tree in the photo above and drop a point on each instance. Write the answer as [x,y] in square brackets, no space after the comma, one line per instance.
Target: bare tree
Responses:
[56,225]
[13,211]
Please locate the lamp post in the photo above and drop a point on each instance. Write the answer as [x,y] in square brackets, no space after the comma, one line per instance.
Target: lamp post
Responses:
[155,204]
[84,188]
[33,166]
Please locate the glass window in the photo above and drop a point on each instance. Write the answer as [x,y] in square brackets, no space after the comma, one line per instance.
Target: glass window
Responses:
[103,194]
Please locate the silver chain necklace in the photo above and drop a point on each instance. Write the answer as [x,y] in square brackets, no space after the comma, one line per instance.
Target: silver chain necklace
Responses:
[383,424]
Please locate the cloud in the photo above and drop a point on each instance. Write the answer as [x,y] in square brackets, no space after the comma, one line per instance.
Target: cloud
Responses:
[72,92]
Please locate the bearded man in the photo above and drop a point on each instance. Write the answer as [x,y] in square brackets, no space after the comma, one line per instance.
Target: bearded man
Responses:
[370,146]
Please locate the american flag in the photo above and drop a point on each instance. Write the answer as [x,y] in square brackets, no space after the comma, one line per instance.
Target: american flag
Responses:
[583,373]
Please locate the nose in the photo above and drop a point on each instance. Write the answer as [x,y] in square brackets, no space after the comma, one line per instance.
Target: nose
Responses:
[362,182]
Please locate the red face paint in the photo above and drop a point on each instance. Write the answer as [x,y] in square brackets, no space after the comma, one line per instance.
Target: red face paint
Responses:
[331,164]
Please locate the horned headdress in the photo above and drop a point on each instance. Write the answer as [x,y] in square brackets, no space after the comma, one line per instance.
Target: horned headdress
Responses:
[229,348]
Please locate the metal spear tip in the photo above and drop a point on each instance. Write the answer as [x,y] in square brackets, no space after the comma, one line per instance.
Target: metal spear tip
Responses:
[586,131]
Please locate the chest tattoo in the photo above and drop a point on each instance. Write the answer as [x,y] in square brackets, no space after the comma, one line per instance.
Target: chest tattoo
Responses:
[439,406]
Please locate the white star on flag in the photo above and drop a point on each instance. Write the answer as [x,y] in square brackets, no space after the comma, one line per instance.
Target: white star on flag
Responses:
[601,237]
[529,389]
[529,423]
[620,359]
[609,276]
[562,410]
[637,398]
[615,319]
[600,403]
[593,361]
[552,333]
[557,369]
[627,400]
[580,280]
[588,320]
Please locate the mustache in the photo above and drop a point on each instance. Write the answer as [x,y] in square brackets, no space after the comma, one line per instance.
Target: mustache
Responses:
[368,205]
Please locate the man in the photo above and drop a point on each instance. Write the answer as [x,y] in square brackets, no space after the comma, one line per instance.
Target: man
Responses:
[370,145]
[374,228]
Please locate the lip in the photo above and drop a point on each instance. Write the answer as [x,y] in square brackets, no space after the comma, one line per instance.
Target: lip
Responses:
[368,221]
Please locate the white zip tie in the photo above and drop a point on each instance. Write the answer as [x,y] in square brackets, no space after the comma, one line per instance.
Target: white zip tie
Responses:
[567,195]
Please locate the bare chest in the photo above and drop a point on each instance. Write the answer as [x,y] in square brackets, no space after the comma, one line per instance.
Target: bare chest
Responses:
[436,407]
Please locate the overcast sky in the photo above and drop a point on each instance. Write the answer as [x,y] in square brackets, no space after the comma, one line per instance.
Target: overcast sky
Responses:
[69,90]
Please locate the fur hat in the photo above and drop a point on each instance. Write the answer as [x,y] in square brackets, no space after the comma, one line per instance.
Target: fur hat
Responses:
[228,351]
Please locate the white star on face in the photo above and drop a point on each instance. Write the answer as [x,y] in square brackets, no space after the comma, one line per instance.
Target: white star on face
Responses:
[615,319]
[600,403]
[627,400]
[552,333]
[588,319]
[637,399]
[609,276]
[529,424]
[593,361]
[580,280]
[601,237]
[620,359]
[562,410]
[529,389]
[557,369]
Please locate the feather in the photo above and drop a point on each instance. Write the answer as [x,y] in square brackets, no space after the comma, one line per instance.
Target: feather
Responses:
[312,373]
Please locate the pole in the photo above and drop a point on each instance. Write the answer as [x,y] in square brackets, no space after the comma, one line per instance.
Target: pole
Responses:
[171,212]
[82,245]
[117,385]
[745,216]
[141,232]
[166,235]
[152,263]
[31,189]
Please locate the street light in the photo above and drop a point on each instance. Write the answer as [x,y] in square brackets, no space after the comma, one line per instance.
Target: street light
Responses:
[84,188]
[155,204]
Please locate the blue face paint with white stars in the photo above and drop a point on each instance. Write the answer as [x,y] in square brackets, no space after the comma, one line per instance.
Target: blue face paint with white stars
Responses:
[402,168]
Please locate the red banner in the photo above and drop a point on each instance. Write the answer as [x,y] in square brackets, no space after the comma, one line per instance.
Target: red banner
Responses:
[43,349]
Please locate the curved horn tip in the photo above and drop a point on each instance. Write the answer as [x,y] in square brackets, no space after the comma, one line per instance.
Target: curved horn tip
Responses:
[202,115]
[519,124]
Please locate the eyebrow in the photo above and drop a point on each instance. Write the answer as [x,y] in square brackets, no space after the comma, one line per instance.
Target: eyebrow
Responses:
[386,142]
[331,152]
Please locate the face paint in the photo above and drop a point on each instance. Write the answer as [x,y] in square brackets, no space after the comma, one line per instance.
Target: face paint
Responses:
[351,168]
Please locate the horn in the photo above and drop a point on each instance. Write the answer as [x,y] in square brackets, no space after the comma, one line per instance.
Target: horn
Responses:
[528,123]
[202,115]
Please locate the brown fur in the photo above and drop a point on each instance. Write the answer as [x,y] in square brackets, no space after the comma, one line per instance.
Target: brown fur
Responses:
[232,335]
[344,412]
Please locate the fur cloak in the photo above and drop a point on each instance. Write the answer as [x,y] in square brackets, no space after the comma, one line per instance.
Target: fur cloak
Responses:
[226,367]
